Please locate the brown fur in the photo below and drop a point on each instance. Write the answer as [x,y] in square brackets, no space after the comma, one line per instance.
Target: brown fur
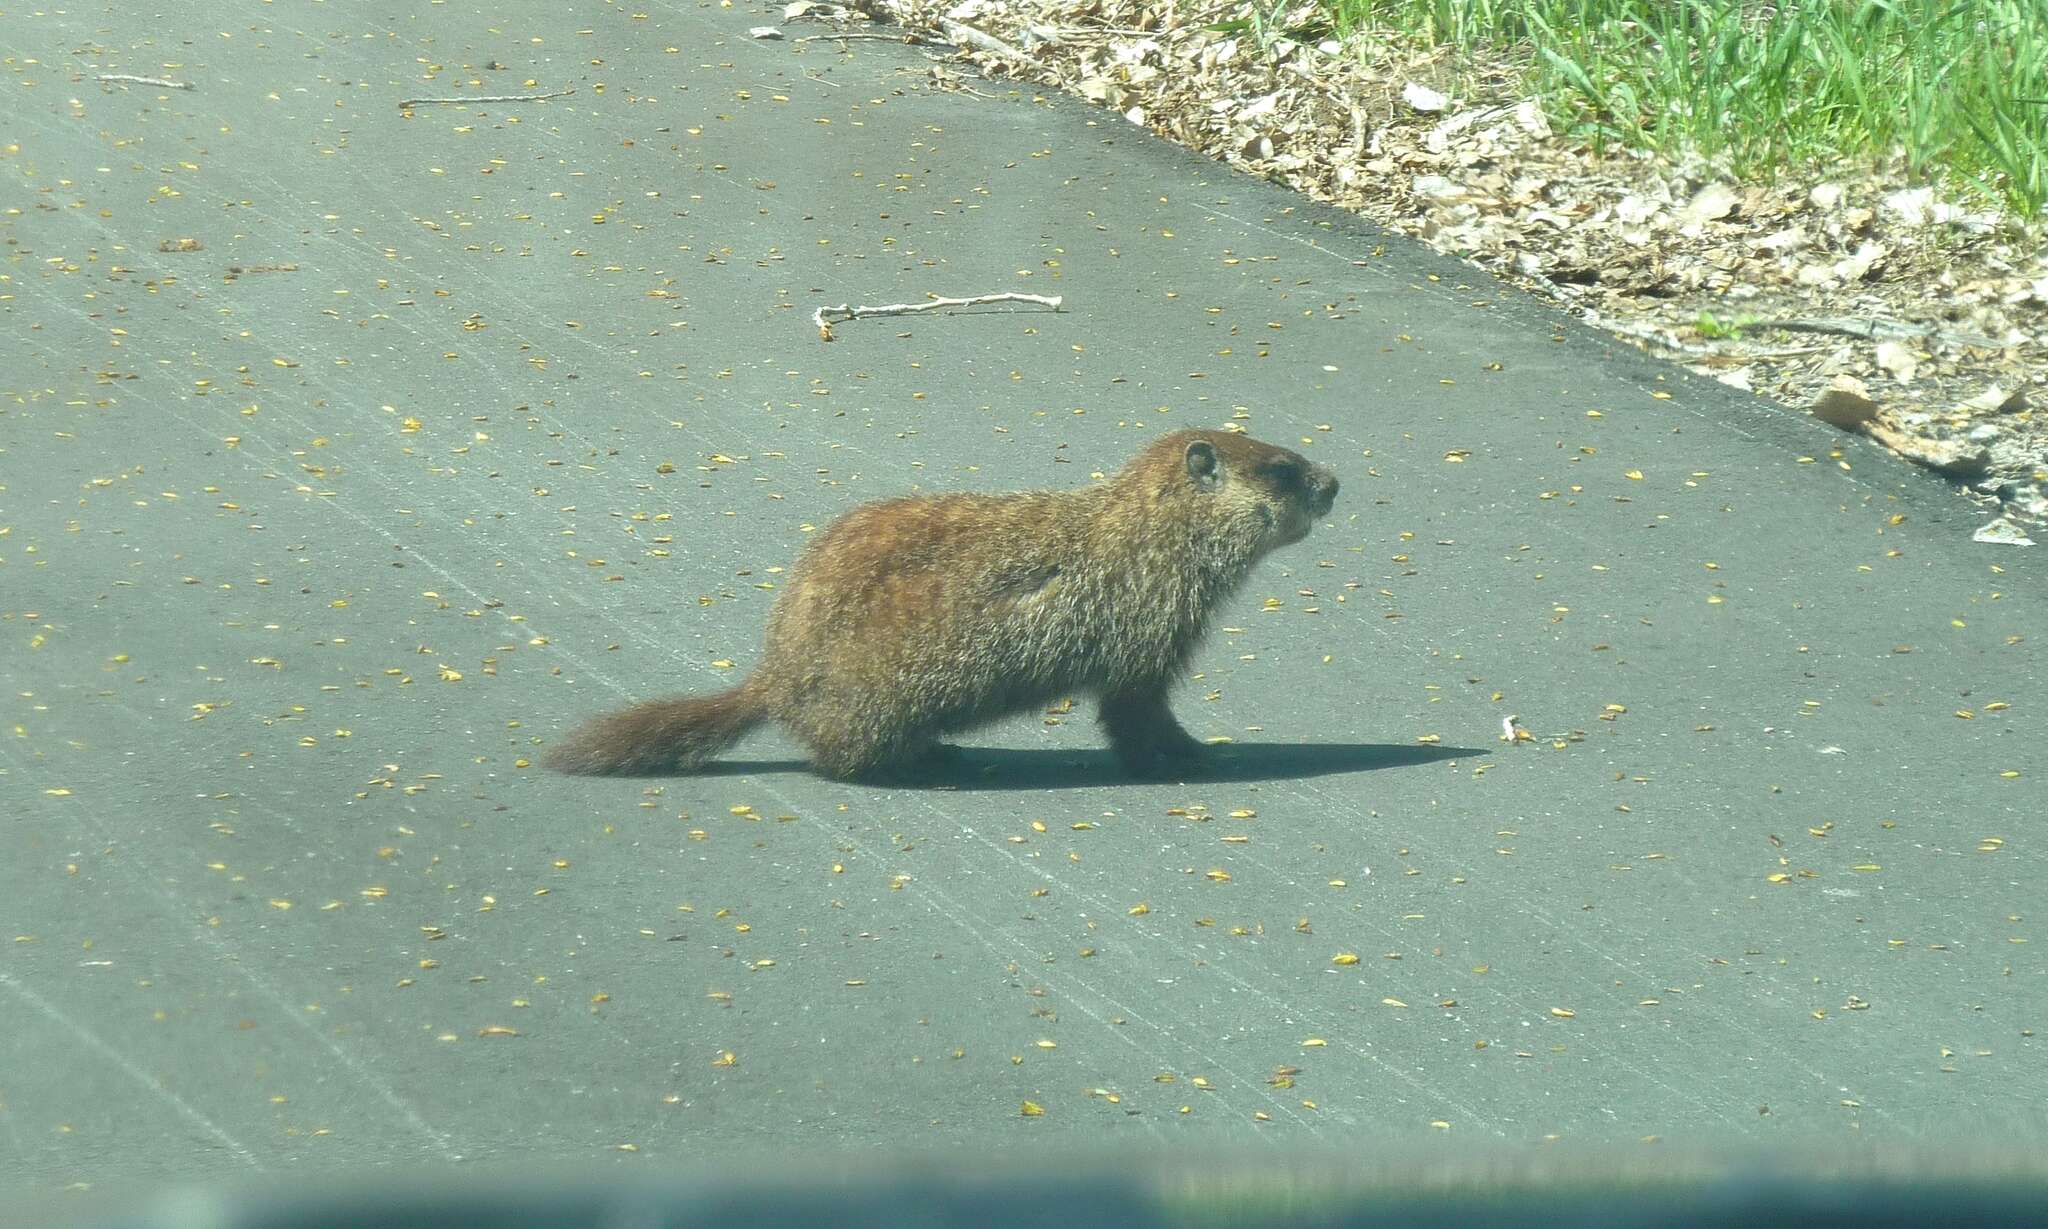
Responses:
[910,619]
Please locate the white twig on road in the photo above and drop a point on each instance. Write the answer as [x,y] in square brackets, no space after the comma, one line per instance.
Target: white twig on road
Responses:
[825,317]
[851,36]
[408,103]
[968,35]
[132,79]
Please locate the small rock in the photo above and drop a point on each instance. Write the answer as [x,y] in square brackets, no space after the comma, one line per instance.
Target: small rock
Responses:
[1845,404]
[2002,532]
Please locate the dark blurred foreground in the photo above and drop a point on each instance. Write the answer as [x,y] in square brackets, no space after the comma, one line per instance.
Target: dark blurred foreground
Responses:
[1869,1190]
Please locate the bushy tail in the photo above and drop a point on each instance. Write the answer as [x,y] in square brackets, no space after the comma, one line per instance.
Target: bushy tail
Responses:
[660,736]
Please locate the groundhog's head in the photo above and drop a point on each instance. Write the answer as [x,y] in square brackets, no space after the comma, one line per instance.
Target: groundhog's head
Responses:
[1274,492]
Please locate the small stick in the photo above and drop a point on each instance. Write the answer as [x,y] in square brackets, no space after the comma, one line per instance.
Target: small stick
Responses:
[848,312]
[132,79]
[907,36]
[1872,330]
[974,38]
[406,104]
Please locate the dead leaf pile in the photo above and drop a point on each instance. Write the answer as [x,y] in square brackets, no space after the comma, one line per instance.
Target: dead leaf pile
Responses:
[1933,314]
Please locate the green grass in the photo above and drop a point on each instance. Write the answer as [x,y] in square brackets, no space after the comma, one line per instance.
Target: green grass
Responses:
[1707,324]
[1957,89]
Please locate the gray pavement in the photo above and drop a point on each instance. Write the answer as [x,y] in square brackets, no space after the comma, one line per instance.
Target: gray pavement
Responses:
[461,426]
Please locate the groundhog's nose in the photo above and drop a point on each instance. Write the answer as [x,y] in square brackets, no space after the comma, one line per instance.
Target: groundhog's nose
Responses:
[1322,483]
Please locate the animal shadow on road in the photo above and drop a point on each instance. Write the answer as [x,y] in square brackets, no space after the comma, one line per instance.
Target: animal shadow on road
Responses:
[1008,768]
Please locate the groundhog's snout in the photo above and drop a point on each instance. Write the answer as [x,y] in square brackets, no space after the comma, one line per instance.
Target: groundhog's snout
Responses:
[1322,486]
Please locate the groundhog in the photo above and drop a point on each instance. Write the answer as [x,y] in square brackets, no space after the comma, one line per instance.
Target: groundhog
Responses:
[911,619]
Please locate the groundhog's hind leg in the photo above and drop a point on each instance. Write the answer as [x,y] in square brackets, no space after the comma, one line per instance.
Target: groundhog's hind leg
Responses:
[1143,733]
[869,748]
[864,760]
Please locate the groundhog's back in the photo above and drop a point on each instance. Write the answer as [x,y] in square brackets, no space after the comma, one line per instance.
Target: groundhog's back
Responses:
[960,591]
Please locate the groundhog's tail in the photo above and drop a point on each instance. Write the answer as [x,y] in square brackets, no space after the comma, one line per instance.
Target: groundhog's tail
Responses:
[660,736]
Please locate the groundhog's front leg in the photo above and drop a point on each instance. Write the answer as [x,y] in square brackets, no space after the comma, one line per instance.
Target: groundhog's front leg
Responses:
[1144,735]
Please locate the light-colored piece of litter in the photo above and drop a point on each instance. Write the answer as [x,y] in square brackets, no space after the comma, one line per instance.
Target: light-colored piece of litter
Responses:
[2002,532]
[826,317]
[1898,361]
[1422,98]
[763,32]
[1510,732]
[406,104]
[132,79]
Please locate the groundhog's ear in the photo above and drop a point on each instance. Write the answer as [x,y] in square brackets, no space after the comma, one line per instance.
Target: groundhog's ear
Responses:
[1203,465]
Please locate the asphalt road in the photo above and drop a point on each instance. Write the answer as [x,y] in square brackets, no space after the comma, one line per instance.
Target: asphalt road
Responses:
[348,455]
